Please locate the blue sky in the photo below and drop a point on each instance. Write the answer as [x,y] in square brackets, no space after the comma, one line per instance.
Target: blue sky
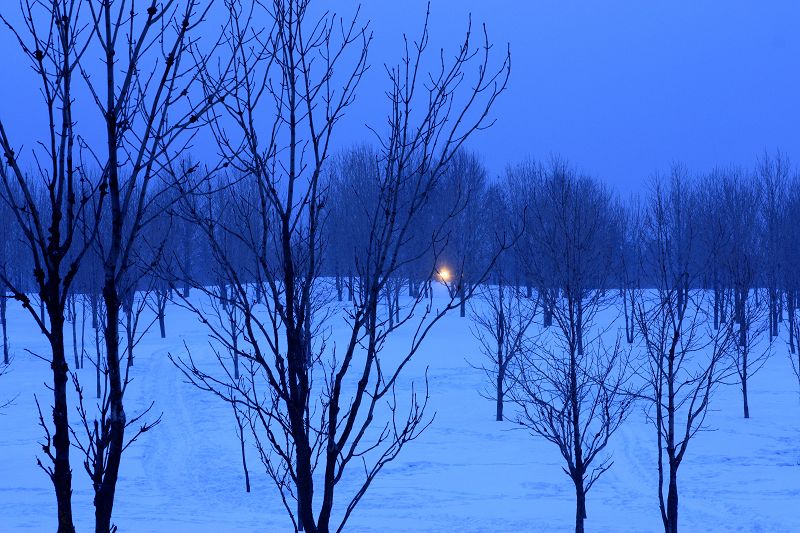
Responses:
[621,88]
[624,88]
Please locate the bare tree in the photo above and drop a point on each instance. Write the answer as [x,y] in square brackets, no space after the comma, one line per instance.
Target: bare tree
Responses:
[739,204]
[684,356]
[501,314]
[790,252]
[748,356]
[148,95]
[317,406]
[774,172]
[570,386]
[54,39]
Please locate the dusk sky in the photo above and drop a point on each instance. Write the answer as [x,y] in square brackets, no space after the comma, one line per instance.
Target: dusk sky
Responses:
[624,88]
[621,88]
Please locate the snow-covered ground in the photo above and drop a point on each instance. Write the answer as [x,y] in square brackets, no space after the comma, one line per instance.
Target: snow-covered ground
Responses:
[466,473]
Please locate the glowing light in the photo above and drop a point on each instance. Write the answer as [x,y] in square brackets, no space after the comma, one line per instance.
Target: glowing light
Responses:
[445,275]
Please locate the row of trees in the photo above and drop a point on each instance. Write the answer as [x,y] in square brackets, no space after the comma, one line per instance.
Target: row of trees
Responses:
[698,274]
[586,305]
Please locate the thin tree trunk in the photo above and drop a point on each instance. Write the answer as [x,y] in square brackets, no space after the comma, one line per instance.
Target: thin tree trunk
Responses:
[129,334]
[104,496]
[74,314]
[223,295]
[240,428]
[187,286]
[790,302]
[161,322]
[93,302]
[390,306]
[83,328]
[547,308]
[744,385]
[672,501]
[579,326]
[350,293]
[3,307]
[305,486]
[235,338]
[580,505]
[98,359]
[577,448]
[62,473]
[502,357]
[501,375]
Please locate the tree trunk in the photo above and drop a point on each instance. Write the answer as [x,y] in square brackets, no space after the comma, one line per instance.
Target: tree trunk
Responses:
[223,295]
[744,397]
[305,489]
[790,303]
[580,505]
[672,501]
[93,304]
[397,302]
[161,325]
[579,326]
[129,334]
[98,357]
[577,448]
[62,473]
[240,430]
[547,308]
[350,293]
[83,327]
[500,393]
[74,314]
[390,306]
[235,339]
[773,312]
[3,307]
[462,307]
[104,496]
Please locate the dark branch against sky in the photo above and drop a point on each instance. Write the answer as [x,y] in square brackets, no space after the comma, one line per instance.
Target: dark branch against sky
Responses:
[621,88]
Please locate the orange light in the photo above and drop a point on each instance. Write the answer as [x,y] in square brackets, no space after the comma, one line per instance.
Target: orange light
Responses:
[444,275]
